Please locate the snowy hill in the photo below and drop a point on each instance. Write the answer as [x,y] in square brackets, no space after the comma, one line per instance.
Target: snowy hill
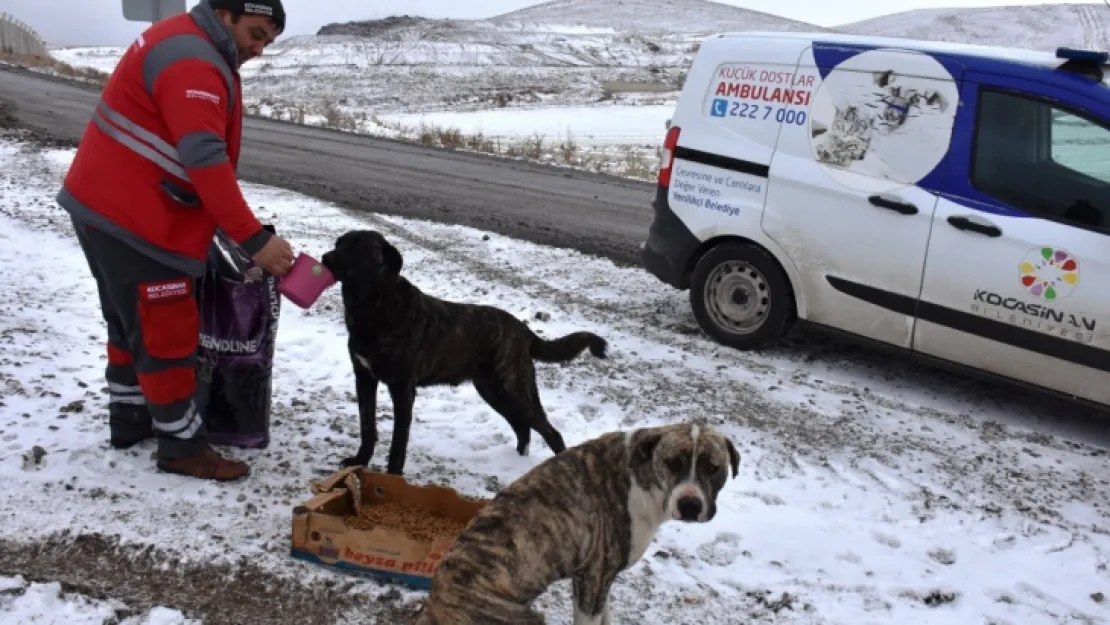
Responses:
[418,66]
[1039,27]
[566,52]
[649,16]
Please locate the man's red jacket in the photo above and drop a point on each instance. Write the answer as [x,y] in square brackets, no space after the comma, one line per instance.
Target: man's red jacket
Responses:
[156,165]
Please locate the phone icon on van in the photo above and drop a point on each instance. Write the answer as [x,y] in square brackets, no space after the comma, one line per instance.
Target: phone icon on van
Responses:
[720,108]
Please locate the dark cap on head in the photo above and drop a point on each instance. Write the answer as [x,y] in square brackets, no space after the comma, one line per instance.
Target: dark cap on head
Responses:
[268,8]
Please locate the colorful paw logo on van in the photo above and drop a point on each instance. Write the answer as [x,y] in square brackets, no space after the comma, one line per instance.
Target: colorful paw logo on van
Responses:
[1049,273]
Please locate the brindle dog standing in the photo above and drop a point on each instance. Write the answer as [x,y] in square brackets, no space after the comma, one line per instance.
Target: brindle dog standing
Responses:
[408,339]
[585,514]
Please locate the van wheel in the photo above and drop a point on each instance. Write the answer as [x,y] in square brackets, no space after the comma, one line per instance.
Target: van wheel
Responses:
[740,297]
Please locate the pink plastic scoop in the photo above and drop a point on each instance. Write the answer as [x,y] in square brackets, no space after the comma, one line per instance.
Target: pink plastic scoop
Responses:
[305,281]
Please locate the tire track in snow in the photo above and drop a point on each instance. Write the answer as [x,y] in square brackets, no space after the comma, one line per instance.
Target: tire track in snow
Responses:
[1090,23]
[1098,27]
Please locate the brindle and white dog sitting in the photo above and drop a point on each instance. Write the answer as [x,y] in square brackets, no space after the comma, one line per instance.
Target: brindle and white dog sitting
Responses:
[585,514]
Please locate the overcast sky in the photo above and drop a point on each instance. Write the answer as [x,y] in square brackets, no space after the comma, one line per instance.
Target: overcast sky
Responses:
[100,22]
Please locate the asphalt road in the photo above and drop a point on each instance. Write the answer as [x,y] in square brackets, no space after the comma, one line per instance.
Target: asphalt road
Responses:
[592,213]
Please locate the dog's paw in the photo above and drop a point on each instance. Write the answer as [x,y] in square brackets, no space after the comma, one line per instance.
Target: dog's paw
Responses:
[354,461]
[524,449]
[600,348]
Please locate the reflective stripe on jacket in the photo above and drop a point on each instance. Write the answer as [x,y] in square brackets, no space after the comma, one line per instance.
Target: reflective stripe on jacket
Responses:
[156,165]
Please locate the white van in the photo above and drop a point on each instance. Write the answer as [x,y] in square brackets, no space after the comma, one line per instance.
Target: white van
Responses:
[951,200]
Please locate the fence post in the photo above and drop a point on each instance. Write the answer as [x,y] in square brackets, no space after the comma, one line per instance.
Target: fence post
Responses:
[17,37]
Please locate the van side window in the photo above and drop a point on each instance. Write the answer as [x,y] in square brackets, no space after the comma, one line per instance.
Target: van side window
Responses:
[1043,159]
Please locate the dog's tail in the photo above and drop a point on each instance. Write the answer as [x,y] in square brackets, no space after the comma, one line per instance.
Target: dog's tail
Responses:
[567,347]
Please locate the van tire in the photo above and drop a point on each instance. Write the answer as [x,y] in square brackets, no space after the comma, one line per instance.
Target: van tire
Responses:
[740,320]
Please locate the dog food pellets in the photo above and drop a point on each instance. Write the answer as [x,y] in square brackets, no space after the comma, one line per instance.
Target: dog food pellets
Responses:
[416,523]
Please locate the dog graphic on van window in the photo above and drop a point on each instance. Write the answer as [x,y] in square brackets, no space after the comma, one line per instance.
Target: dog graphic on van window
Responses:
[854,125]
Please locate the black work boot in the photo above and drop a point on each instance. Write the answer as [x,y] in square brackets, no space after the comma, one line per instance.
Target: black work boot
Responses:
[128,425]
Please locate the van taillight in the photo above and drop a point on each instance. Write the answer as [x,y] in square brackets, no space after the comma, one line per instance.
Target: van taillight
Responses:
[666,156]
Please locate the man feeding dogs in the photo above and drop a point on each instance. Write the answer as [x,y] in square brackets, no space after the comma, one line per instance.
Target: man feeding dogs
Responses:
[585,514]
[407,339]
[153,177]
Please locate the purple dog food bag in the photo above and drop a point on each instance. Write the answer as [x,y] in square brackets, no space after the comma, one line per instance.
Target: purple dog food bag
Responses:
[239,311]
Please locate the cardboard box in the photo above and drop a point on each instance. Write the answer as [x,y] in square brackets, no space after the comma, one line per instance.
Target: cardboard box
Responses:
[321,536]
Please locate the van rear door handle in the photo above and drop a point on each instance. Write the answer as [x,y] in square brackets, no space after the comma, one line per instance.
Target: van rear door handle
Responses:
[904,208]
[963,223]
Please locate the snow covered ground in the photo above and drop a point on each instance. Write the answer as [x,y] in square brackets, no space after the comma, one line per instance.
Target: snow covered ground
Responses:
[591,126]
[26,603]
[871,491]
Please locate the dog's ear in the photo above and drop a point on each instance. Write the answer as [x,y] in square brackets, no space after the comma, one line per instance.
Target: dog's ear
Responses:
[392,259]
[733,458]
[643,446]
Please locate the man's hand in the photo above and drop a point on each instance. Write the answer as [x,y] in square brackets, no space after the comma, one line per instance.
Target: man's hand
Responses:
[276,257]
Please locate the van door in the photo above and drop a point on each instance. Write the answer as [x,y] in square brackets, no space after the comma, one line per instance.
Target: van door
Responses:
[719,177]
[849,193]
[1017,277]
